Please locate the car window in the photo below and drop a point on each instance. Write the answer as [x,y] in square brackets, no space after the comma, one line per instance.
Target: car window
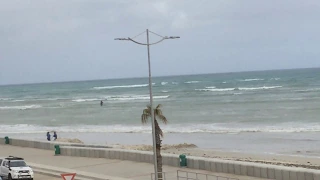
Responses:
[18,164]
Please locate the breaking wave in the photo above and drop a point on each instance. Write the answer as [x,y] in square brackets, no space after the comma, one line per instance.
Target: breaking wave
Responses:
[175,128]
[134,97]
[123,86]
[5,99]
[191,82]
[308,90]
[20,107]
[248,80]
[259,88]
[238,89]
[85,100]
[164,83]
[18,100]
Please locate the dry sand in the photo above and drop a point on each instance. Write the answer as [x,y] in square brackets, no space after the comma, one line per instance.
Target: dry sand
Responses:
[192,150]
[69,140]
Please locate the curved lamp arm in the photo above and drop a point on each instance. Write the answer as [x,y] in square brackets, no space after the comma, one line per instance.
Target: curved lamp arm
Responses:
[145,44]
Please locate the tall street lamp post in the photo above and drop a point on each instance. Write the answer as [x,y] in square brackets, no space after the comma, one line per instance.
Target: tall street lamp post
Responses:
[148,44]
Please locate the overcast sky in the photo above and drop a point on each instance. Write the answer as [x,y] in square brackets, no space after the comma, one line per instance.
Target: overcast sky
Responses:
[44,41]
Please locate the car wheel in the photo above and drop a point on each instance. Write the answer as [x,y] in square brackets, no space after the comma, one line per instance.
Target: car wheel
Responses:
[9,177]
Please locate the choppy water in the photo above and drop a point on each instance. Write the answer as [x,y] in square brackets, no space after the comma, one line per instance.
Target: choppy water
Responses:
[266,101]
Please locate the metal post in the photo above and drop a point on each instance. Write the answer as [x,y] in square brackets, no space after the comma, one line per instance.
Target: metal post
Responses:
[152,113]
[148,44]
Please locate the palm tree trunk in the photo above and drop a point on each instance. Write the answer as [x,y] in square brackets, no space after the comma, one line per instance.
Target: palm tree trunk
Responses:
[158,149]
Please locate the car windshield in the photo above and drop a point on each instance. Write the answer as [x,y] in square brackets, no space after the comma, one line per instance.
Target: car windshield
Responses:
[18,164]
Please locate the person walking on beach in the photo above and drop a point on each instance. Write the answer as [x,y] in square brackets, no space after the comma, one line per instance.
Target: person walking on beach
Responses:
[101,103]
[48,136]
[55,136]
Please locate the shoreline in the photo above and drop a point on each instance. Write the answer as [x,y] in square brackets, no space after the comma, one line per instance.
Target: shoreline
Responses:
[274,159]
[194,146]
[294,144]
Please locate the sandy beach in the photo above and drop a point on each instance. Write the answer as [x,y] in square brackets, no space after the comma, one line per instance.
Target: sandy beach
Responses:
[296,158]
[192,150]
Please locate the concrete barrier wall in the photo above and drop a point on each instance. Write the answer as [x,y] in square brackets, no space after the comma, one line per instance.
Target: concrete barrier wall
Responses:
[252,169]
[32,144]
[109,153]
[47,145]
[209,164]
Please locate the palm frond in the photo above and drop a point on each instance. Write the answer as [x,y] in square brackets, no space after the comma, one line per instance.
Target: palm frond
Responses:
[157,112]
[163,118]
[145,115]
[144,118]
[159,106]
[146,111]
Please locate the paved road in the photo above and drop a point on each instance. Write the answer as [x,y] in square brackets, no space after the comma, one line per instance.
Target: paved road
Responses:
[43,177]
[110,167]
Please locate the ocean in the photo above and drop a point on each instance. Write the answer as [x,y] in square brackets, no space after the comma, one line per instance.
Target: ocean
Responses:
[227,111]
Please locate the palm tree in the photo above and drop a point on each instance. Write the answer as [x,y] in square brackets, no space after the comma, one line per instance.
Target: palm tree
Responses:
[157,115]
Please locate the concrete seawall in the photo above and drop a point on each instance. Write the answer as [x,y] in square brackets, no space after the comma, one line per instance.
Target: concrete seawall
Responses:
[46,145]
[209,164]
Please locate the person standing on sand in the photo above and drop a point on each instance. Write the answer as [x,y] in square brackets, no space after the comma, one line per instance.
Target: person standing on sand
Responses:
[55,136]
[48,136]
[101,103]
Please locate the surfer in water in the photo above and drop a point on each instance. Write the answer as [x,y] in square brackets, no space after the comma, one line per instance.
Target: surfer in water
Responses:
[101,103]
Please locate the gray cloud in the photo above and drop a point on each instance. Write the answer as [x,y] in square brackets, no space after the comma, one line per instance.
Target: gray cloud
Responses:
[46,40]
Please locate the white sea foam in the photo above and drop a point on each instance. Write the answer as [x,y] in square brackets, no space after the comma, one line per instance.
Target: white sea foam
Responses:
[34,106]
[174,83]
[191,82]
[216,90]
[52,99]
[134,97]
[123,86]
[36,99]
[164,91]
[248,80]
[164,83]
[238,89]
[175,128]
[308,90]
[5,99]
[211,87]
[85,100]
[259,88]
[18,100]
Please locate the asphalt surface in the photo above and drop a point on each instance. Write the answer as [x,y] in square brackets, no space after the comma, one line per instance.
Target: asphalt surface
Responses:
[100,166]
[43,177]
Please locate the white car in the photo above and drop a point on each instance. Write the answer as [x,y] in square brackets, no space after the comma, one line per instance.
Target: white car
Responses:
[12,168]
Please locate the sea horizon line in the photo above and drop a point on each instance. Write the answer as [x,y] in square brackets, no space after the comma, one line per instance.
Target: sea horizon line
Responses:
[143,77]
